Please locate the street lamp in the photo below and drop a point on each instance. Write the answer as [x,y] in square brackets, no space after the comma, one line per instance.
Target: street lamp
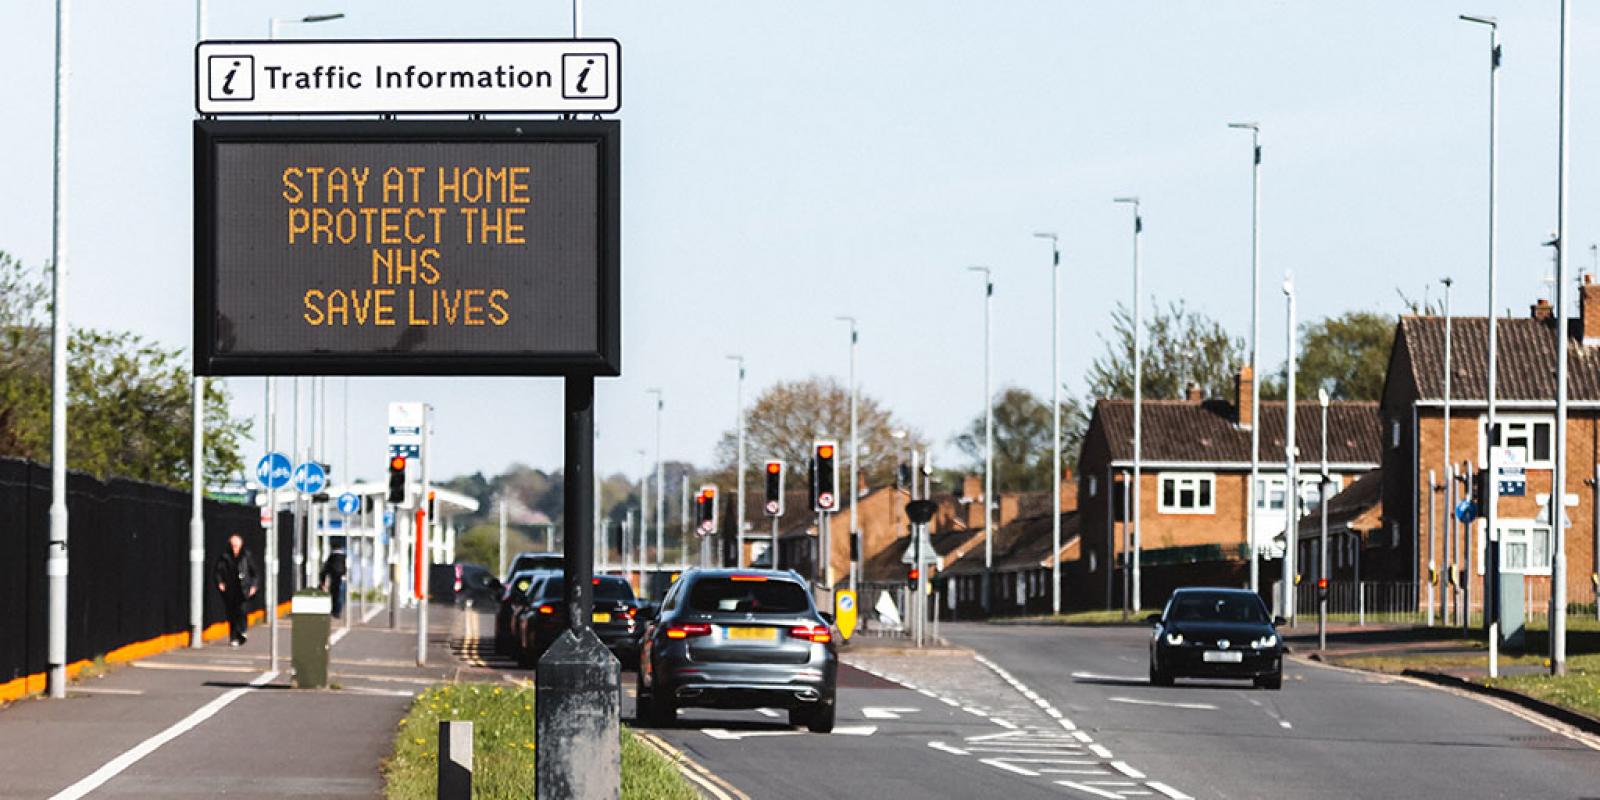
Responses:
[988,436]
[855,484]
[661,505]
[738,516]
[1055,415]
[1322,560]
[1291,494]
[1492,490]
[1558,476]
[1449,517]
[1255,361]
[1138,399]
[274,23]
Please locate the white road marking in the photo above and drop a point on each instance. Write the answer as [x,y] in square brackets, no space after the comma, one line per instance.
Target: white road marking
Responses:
[1167,790]
[1122,767]
[885,712]
[1072,771]
[948,749]
[1001,763]
[1003,723]
[1089,790]
[767,712]
[116,765]
[1285,723]
[1095,676]
[1067,723]
[855,730]
[98,690]
[1137,702]
[190,667]
[989,737]
[1023,751]
[727,735]
[1100,750]
[379,692]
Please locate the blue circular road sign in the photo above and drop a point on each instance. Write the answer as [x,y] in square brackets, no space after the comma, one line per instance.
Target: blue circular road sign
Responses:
[1467,512]
[310,477]
[272,471]
[349,503]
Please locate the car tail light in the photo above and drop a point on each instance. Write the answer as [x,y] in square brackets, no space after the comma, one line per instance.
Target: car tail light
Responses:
[458,579]
[684,630]
[547,609]
[812,633]
[632,612]
[748,578]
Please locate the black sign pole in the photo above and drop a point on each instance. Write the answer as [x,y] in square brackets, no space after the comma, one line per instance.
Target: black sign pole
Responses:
[579,682]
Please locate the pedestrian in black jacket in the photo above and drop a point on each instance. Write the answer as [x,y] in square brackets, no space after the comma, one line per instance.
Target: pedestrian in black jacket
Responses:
[235,576]
[333,574]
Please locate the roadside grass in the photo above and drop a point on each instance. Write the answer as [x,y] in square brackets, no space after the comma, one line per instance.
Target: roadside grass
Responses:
[1097,617]
[1578,690]
[503,725]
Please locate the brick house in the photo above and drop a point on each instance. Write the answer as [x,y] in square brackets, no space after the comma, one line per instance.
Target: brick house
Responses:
[1413,443]
[1195,487]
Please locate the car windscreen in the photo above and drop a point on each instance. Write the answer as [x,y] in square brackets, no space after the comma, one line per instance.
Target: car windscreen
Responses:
[748,596]
[1216,607]
[612,590]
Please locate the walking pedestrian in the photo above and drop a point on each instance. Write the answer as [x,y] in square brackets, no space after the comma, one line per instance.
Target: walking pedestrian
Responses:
[333,571]
[236,578]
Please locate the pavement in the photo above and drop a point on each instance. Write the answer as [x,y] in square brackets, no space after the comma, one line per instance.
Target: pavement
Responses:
[220,721]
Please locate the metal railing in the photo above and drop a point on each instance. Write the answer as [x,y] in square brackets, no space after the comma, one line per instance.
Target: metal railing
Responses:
[1404,602]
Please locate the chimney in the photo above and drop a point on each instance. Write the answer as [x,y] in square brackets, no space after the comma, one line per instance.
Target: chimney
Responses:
[972,490]
[1244,391]
[1192,393]
[1589,310]
[1542,310]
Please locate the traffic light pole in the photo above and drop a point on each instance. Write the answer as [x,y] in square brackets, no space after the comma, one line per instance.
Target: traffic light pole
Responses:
[420,537]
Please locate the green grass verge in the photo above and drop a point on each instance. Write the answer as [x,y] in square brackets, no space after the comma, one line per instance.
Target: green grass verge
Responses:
[1578,690]
[503,727]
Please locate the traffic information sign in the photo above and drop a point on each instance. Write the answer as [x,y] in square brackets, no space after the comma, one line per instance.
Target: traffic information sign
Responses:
[426,76]
[407,248]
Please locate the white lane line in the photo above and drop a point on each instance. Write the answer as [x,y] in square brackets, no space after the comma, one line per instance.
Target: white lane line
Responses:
[1073,771]
[1100,750]
[1111,783]
[1023,751]
[1081,736]
[116,765]
[1122,767]
[1095,676]
[1067,723]
[1284,723]
[92,690]
[189,667]
[947,701]
[379,692]
[948,749]
[927,694]
[1004,723]
[767,712]
[371,612]
[1137,702]
[989,737]
[1001,764]
[1167,790]
[975,711]
[1089,790]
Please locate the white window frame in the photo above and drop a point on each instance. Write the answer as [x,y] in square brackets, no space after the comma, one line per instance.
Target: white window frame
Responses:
[1519,531]
[1526,422]
[1193,480]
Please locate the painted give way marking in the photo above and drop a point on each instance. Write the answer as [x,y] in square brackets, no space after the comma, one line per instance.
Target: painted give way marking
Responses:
[730,736]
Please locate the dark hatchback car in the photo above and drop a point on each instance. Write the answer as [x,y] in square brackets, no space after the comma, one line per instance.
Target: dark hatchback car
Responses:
[617,618]
[534,561]
[513,598]
[739,639]
[1216,633]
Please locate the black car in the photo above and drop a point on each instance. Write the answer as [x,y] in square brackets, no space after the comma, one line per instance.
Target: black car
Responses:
[1216,633]
[531,561]
[618,617]
[513,597]
[739,639]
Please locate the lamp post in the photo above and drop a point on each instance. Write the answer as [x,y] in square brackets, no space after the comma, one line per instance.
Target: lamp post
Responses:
[1322,558]
[1492,490]
[988,436]
[56,560]
[197,465]
[1138,399]
[1291,494]
[738,515]
[1558,477]
[855,479]
[277,22]
[1055,419]
[1255,362]
[661,497]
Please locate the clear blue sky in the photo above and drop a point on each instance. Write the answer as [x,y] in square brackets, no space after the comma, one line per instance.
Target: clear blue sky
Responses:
[797,161]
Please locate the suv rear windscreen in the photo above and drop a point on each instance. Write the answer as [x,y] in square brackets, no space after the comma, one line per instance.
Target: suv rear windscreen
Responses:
[748,596]
[613,590]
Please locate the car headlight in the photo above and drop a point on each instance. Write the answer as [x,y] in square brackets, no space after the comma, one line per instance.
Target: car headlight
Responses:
[1270,640]
[1175,638]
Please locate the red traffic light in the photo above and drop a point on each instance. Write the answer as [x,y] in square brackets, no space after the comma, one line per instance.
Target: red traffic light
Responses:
[397,463]
[1322,584]
[825,451]
[774,467]
[914,574]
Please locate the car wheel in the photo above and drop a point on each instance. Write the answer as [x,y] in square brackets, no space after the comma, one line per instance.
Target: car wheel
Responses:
[1159,678]
[821,720]
[1272,682]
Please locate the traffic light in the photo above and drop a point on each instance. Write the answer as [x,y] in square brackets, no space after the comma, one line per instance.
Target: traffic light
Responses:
[912,575]
[774,504]
[824,477]
[1322,589]
[397,480]
[706,511]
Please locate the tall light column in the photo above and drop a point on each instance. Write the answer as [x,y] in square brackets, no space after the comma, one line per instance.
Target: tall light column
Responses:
[56,560]
[1449,513]
[1255,360]
[855,475]
[988,437]
[1558,478]
[197,459]
[1055,420]
[1291,482]
[1492,490]
[738,516]
[661,495]
[1323,485]
[272,570]
[1138,399]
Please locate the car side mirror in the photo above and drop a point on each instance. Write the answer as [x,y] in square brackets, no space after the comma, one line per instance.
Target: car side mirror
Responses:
[1153,619]
[1278,622]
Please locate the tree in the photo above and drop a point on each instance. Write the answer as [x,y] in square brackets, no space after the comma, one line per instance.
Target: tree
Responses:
[1348,355]
[789,415]
[1022,440]
[1180,347]
[128,400]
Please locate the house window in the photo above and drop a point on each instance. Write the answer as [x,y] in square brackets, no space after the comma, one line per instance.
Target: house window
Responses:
[1188,493]
[1531,435]
[1269,494]
[1524,546]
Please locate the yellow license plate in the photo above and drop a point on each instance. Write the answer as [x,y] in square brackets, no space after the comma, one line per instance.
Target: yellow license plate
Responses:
[755,634]
[602,616]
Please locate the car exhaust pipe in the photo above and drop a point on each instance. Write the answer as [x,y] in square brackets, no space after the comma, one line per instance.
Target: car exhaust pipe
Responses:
[807,695]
